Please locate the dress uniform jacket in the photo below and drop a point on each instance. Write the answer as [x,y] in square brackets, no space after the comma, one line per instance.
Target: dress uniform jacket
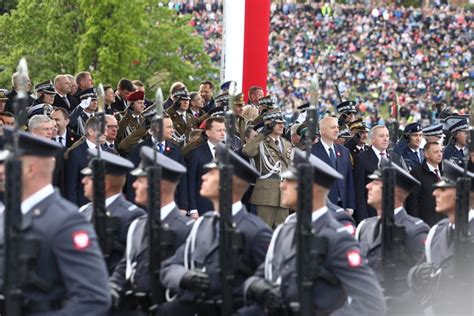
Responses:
[126,212]
[128,124]
[343,261]
[181,128]
[68,261]
[411,159]
[202,248]
[421,203]
[270,162]
[133,268]
[78,119]
[455,155]
[369,235]
[342,217]
[352,145]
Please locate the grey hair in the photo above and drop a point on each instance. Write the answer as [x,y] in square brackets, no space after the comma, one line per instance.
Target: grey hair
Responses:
[35,121]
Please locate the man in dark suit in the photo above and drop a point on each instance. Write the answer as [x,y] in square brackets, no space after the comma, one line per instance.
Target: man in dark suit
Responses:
[206,90]
[65,136]
[12,94]
[197,158]
[77,160]
[168,148]
[421,202]
[124,88]
[63,99]
[337,156]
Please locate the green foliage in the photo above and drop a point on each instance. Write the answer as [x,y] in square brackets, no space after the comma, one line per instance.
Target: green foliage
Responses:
[110,38]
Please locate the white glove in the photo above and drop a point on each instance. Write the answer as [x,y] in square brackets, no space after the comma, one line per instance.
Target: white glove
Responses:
[85,103]
[115,293]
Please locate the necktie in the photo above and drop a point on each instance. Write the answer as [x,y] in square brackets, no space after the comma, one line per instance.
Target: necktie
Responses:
[437,175]
[196,114]
[382,157]
[60,140]
[160,148]
[450,234]
[213,151]
[277,143]
[67,101]
[417,153]
[111,145]
[332,158]
[462,152]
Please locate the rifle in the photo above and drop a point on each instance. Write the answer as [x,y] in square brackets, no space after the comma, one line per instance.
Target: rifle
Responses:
[308,246]
[230,241]
[105,225]
[395,124]
[160,237]
[463,243]
[13,270]
[393,237]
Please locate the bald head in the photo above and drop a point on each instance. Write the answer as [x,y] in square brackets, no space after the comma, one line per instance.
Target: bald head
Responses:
[329,129]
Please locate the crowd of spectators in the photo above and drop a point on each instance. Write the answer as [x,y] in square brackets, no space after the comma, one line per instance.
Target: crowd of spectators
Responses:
[371,54]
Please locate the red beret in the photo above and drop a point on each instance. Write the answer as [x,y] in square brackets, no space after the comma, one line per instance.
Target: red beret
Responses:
[135,96]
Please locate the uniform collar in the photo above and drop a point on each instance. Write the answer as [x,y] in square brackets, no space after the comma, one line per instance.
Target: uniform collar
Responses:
[318,213]
[90,144]
[167,209]
[36,197]
[397,210]
[236,207]
[111,199]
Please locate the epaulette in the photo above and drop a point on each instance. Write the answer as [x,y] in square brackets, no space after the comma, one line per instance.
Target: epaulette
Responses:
[132,207]
[83,208]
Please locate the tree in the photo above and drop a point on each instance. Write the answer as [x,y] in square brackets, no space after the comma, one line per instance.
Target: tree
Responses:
[112,39]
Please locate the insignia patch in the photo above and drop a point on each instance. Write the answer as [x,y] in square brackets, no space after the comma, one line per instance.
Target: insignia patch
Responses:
[80,240]
[354,259]
[350,228]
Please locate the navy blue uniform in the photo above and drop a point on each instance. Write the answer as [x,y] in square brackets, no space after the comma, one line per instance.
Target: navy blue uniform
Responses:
[411,159]
[455,155]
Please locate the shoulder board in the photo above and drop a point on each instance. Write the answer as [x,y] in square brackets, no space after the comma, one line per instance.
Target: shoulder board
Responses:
[340,210]
[342,229]
[190,222]
[132,207]
[419,222]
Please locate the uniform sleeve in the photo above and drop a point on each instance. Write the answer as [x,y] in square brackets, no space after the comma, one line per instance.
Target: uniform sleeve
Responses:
[417,240]
[192,180]
[173,270]
[118,276]
[82,268]
[357,279]
[260,245]
[251,149]
[359,186]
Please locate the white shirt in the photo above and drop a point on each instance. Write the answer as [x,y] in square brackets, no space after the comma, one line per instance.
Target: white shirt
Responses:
[183,115]
[236,207]
[167,209]
[36,197]
[110,199]
[90,144]
[397,210]
[63,141]
[432,168]
[326,147]
[318,213]
[212,148]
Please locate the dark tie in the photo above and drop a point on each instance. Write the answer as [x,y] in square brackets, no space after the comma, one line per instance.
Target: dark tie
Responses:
[450,235]
[382,157]
[196,114]
[437,175]
[461,151]
[160,147]
[417,153]
[111,145]
[67,101]
[332,158]
[277,143]
[60,140]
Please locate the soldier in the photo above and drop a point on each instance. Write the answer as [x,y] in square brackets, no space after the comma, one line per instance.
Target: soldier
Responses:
[433,278]
[131,119]
[83,111]
[240,121]
[70,275]
[360,135]
[433,134]
[116,169]
[347,112]
[369,232]
[194,269]
[455,151]
[343,273]
[412,153]
[271,155]
[183,122]
[131,277]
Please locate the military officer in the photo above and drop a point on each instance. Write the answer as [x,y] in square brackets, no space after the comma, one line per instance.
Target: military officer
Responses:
[131,277]
[83,111]
[131,119]
[348,112]
[412,153]
[116,169]
[183,122]
[69,276]
[456,149]
[433,134]
[194,269]
[360,135]
[433,279]
[369,231]
[343,274]
[271,155]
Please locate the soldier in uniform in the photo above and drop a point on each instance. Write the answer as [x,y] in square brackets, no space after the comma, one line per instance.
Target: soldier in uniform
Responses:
[432,279]
[347,112]
[69,276]
[412,153]
[370,237]
[194,269]
[130,282]
[240,121]
[271,155]
[116,169]
[455,151]
[360,135]
[433,134]
[83,111]
[183,121]
[132,117]
[343,274]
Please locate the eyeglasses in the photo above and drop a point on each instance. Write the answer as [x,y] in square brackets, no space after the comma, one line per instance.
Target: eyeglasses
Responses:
[112,126]
[47,129]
